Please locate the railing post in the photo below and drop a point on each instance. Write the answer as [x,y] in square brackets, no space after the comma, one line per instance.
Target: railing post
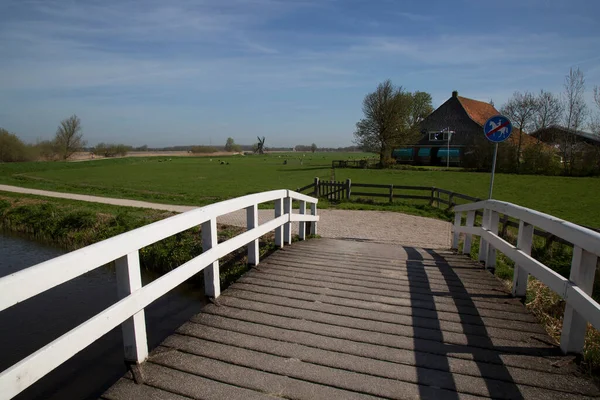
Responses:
[391,193]
[438,199]
[583,269]
[469,236]
[279,229]
[348,188]
[253,246]
[302,224]
[129,280]
[313,225]
[316,193]
[456,234]
[520,275]
[287,228]
[483,245]
[450,200]
[212,284]
[490,261]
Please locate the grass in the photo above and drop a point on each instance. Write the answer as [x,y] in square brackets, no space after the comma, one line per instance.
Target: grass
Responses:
[74,224]
[200,181]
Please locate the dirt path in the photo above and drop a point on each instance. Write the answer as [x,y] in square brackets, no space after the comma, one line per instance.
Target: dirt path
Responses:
[377,226]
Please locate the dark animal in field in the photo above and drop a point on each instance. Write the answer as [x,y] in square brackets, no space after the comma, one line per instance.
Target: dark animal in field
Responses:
[222,162]
[284,162]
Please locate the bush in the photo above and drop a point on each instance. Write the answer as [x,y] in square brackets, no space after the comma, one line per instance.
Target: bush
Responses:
[111,149]
[12,149]
[203,149]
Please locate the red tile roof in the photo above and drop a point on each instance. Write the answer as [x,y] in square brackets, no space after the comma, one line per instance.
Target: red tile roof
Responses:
[478,111]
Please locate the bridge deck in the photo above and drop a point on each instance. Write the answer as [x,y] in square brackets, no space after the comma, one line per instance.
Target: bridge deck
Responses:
[334,319]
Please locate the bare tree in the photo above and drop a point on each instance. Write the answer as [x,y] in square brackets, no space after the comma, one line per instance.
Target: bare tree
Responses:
[521,109]
[313,147]
[386,122]
[69,138]
[549,111]
[420,108]
[574,117]
[595,124]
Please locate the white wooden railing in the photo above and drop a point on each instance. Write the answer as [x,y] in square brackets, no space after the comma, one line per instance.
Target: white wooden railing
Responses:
[580,307]
[124,250]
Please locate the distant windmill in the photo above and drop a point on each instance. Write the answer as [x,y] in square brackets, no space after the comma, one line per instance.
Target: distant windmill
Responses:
[260,146]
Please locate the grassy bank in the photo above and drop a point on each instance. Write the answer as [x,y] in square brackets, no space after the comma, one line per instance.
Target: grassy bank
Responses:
[205,180]
[73,224]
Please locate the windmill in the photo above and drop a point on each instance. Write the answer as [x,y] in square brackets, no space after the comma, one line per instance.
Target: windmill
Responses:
[260,146]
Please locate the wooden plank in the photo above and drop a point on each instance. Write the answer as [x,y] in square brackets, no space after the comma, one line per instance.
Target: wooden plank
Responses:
[469,236]
[371,185]
[370,194]
[212,283]
[520,275]
[251,223]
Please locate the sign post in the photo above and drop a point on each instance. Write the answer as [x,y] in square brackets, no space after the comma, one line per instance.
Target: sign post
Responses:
[496,129]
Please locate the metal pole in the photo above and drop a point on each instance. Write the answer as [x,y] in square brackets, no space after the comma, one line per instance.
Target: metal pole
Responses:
[493,170]
[448,149]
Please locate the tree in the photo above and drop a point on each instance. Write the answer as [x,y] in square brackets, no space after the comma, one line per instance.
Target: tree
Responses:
[69,138]
[549,110]
[574,117]
[12,149]
[420,108]
[595,124]
[313,147]
[520,109]
[229,145]
[387,121]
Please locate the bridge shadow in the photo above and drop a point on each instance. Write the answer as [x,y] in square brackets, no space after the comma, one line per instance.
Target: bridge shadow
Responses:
[489,365]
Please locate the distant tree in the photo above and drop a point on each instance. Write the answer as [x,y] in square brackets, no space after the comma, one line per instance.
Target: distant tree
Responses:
[387,121]
[520,109]
[313,147]
[595,124]
[491,103]
[574,117]
[69,138]
[549,110]
[111,149]
[420,108]
[229,144]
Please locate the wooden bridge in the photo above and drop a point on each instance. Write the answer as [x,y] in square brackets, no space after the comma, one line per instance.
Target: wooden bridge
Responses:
[333,319]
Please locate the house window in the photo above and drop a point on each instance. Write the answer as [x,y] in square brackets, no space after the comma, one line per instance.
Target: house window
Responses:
[438,136]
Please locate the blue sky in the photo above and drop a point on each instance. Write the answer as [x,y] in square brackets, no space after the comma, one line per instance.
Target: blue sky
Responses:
[195,72]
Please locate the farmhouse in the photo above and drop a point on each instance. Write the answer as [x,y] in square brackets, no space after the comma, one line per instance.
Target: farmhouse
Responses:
[452,130]
[556,135]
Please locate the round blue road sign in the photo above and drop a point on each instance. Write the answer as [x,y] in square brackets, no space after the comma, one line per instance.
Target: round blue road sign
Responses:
[497,129]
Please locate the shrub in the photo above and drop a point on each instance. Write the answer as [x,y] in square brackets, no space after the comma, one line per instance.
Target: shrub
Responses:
[12,149]
[203,149]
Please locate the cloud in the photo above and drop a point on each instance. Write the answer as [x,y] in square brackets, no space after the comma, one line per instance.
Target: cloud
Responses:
[417,17]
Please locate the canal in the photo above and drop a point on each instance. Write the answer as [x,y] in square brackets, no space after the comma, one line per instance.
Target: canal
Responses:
[29,325]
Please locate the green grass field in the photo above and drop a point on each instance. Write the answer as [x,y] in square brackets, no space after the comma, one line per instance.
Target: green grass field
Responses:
[200,181]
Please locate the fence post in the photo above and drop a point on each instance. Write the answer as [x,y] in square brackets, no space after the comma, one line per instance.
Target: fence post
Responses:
[348,188]
[391,193]
[287,228]
[490,260]
[313,225]
[302,224]
[212,284]
[456,234]
[432,196]
[483,245]
[583,269]
[520,275]
[469,236]
[317,187]
[251,223]
[279,229]
[129,280]
[450,200]
[438,198]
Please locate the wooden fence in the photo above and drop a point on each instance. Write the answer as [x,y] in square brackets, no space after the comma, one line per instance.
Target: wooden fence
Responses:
[338,191]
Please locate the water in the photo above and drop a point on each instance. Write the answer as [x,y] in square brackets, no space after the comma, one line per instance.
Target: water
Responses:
[29,325]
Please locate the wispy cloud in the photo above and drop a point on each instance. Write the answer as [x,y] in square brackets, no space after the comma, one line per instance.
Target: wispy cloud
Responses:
[417,17]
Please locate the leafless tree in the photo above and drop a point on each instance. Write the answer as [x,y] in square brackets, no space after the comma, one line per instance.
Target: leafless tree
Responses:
[386,122]
[521,109]
[574,117]
[69,138]
[549,111]
[595,125]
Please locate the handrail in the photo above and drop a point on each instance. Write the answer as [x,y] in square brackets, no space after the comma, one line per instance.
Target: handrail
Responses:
[576,291]
[124,248]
